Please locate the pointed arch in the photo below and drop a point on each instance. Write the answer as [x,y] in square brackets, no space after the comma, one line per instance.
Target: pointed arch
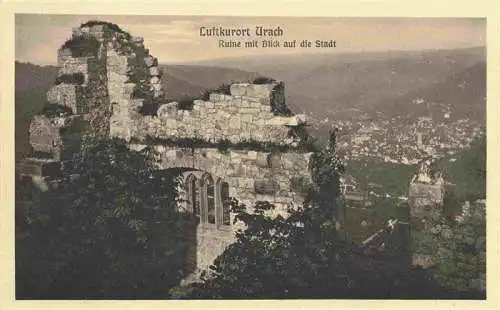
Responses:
[191,184]
[224,212]
[208,199]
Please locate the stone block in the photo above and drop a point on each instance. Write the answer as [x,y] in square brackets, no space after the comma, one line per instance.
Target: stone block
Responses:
[283,200]
[247,118]
[234,122]
[260,91]
[265,187]
[251,111]
[265,102]
[278,121]
[156,87]
[258,122]
[297,120]
[154,71]
[253,155]
[171,154]
[128,89]
[243,103]
[238,89]
[268,198]
[257,105]
[171,123]
[222,115]
[149,61]
[214,97]
[155,80]
[168,109]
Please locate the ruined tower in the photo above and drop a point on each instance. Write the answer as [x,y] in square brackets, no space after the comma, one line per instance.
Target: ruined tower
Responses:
[101,68]
[240,142]
[425,198]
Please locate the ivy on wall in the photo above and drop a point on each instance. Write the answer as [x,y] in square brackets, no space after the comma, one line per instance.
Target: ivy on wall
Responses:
[225,145]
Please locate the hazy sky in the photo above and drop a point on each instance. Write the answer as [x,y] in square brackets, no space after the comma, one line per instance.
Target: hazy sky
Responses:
[177,38]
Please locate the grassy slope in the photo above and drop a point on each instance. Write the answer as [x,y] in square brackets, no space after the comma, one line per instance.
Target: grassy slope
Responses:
[468,173]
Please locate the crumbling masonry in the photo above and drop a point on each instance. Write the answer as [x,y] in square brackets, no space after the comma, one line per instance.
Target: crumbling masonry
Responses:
[246,147]
[426,196]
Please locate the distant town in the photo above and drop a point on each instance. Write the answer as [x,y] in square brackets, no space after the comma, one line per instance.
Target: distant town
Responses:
[405,140]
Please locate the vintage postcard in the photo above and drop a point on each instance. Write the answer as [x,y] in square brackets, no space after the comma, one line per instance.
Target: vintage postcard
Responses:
[225,156]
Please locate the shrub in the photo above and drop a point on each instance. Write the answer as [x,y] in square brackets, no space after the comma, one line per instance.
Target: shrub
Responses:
[263,80]
[223,89]
[142,92]
[186,103]
[111,26]
[114,228]
[53,110]
[82,46]
[223,146]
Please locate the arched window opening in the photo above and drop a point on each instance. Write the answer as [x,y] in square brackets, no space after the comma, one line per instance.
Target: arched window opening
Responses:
[224,199]
[206,199]
[196,197]
[190,193]
[209,193]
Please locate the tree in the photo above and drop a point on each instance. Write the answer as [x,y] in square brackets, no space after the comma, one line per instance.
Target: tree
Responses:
[110,230]
[301,257]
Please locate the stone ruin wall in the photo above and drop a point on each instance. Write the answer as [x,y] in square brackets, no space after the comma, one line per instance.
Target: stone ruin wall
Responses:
[252,176]
[107,101]
[245,115]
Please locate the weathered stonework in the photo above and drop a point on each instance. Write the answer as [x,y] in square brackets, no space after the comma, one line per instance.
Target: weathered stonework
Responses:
[121,79]
[243,170]
[234,117]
